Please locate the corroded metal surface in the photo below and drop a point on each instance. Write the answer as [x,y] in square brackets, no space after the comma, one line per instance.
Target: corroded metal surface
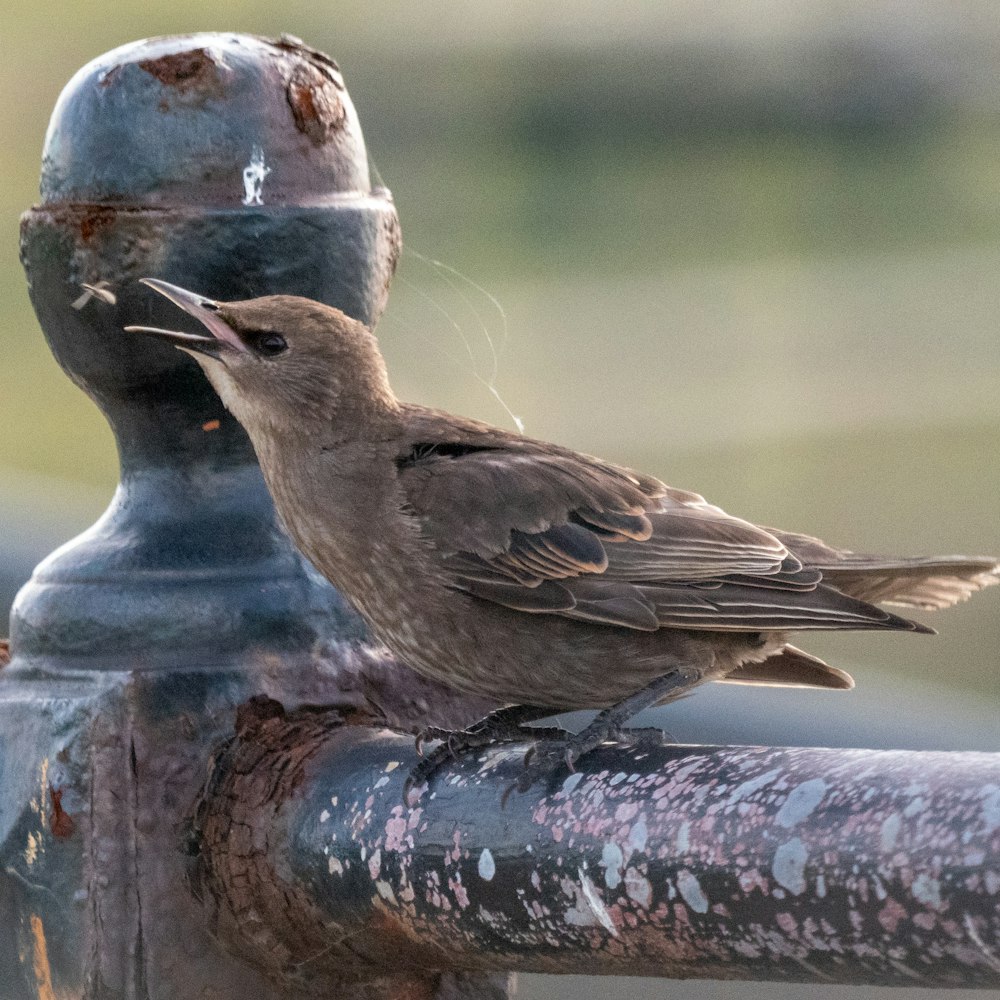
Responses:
[840,866]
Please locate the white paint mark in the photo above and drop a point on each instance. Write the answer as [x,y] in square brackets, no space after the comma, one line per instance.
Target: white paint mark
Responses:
[789,866]
[595,903]
[638,835]
[612,861]
[334,866]
[253,178]
[801,801]
[391,766]
[324,815]
[990,795]
[927,890]
[691,892]
[487,866]
[572,781]
[970,928]
[754,784]
[638,889]
[618,778]
[905,970]
[682,843]
[385,891]
[821,886]
[890,831]
[381,782]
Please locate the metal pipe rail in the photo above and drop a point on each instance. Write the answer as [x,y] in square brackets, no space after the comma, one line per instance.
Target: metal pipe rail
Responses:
[842,866]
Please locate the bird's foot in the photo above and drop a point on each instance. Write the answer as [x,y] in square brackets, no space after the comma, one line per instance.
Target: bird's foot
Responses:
[549,757]
[507,725]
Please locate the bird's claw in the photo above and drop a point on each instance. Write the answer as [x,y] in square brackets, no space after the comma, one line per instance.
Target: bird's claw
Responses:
[547,758]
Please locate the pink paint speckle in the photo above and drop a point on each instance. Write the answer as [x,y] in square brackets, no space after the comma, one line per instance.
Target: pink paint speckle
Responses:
[890,915]
[626,811]
[395,831]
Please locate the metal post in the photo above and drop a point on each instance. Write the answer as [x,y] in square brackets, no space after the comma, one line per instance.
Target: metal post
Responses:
[234,165]
[835,866]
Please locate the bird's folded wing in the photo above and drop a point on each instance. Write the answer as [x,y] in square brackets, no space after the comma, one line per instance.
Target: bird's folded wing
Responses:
[545,530]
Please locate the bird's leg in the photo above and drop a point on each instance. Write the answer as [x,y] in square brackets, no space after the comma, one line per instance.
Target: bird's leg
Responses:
[548,756]
[506,725]
[502,726]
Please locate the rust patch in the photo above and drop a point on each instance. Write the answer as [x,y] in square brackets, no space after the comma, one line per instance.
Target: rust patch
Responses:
[4,652]
[191,70]
[60,822]
[94,220]
[327,66]
[254,713]
[315,104]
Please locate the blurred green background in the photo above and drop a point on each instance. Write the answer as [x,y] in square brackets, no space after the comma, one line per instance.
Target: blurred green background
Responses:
[751,248]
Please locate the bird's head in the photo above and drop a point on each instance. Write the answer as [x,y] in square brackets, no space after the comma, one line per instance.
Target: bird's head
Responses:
[281,362]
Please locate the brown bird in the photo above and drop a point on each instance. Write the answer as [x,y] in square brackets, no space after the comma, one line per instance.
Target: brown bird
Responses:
[516,569]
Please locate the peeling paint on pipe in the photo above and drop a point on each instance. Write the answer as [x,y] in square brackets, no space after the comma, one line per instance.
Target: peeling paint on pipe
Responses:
[774,864]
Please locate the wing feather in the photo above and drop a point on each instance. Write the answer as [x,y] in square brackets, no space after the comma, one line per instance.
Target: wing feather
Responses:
[541,529]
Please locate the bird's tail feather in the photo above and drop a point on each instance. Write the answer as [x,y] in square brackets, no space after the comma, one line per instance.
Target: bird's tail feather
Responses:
[930,583]
[791,667]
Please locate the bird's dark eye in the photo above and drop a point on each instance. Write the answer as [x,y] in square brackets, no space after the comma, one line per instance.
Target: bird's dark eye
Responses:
[269,344]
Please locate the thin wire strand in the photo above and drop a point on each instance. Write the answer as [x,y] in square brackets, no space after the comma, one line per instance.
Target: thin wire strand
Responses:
[493,301]
[443,271]
[460,364]
[470,369]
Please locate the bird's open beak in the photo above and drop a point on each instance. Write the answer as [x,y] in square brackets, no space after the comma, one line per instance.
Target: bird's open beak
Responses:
[204,310]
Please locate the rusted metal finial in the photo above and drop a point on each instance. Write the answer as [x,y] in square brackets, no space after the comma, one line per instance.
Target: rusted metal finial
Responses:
[230,164]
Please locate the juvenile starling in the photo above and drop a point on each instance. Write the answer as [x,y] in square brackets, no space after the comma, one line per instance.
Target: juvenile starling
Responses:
[516,569]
